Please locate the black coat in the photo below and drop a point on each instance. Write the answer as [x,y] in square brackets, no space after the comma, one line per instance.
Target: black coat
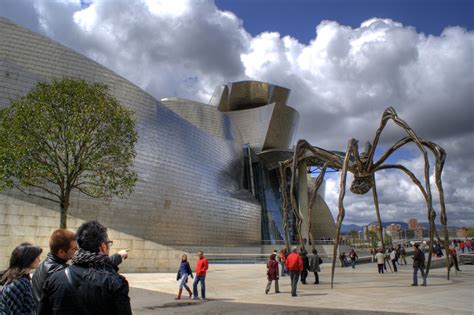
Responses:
[305,262]
[95,290]
[16,298]
[51,264]
[418,259]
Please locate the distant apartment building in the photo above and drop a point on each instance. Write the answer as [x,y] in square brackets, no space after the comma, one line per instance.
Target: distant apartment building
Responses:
[462,232]
[412,224]
[372,228]
[452,232]
[365,232]
[395,231]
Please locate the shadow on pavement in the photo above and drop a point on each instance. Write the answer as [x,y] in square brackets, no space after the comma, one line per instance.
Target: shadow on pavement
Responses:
[153,302]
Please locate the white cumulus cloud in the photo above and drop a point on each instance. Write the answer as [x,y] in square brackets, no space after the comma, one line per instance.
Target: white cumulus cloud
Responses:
[341,81]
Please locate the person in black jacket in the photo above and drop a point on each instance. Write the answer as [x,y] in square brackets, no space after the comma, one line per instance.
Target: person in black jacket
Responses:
[62,246]
[91,285]
[16,297]
[304,273]
[418,264]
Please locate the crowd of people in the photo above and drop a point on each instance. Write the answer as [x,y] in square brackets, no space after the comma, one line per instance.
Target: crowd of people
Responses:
[90,284]
[296,265]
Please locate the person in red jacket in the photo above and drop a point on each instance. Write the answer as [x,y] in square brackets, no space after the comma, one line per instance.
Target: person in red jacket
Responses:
[272,274]
[201,267]
[294,265]
[454,258]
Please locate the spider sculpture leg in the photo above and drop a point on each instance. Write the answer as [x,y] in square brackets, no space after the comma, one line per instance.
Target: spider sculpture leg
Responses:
[297,157]
[377,211]
[379,220]
[342,192]
[391,114]
[302,148]
[282,167]
[440,157]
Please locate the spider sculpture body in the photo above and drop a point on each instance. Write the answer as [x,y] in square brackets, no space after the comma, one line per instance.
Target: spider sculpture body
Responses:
[363,167]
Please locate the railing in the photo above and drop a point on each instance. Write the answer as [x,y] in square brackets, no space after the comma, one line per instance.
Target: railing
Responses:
[316,242]
[262,259]
[236,258]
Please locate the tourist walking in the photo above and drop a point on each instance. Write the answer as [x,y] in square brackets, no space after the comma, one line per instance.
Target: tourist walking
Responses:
[16,297]
[438,250]
[282,260]
[353,256]
[454,258]
[184,272]
[462,245]
[380,258]
[91,285]
[201,267]
[403,254]
[468,244]
[393,259]
[343,259]
[272,274]
[314,265]
[418,264]
[305,259]
[294,265]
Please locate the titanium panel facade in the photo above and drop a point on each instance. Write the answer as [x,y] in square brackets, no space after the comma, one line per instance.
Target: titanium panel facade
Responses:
[206,117]
[322,222]
[253,124]
[188,192]
[259,110]
[194,166]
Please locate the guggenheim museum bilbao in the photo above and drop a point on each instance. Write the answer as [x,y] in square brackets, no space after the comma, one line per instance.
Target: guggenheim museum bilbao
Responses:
[207,172]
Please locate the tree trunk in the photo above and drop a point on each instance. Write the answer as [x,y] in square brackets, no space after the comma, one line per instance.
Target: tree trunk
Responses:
[63,215]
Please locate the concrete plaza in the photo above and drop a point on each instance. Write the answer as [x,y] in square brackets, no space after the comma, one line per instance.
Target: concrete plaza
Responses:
[239,289]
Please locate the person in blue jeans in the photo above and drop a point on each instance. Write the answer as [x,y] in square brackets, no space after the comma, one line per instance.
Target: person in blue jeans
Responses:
[418,264]
[353,256]
[201,267]
[183,273]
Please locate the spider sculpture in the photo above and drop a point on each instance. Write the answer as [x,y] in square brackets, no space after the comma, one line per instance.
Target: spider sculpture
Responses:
[363,167]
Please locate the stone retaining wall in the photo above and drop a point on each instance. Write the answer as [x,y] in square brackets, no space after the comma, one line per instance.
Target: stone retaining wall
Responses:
[21,221]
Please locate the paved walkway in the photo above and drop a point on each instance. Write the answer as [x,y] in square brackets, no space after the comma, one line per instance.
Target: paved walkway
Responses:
[239,289]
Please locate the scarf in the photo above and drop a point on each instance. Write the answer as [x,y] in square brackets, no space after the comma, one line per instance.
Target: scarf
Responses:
[96,260]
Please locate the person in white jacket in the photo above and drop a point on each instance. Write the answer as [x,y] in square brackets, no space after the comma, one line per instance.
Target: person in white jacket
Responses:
[380,258]
[393,259]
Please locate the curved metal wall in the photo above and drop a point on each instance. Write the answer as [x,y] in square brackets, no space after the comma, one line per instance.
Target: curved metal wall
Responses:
[248,94]
[259,110]
[188,188]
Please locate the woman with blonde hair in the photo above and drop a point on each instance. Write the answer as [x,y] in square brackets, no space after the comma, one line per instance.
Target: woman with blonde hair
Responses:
[17,295]
[183,273]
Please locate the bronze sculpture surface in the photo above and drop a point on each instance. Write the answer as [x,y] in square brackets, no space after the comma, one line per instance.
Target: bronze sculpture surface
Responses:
[363,167]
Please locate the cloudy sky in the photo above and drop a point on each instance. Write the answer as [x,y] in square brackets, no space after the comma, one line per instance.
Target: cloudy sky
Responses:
[345,62]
